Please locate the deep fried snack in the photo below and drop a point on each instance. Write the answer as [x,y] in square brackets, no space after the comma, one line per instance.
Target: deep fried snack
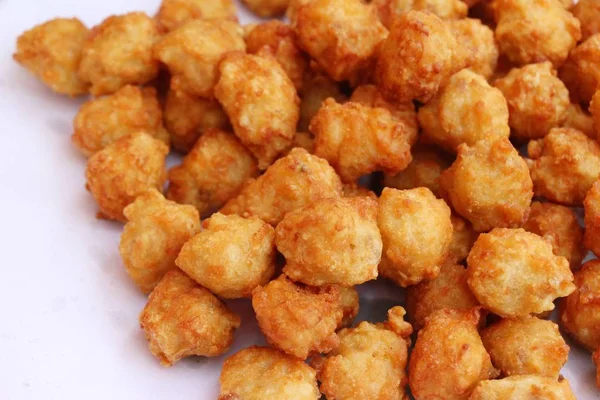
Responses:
[182,319]
[121,171]
[448,290]
[52,52]
[557,225]
[173,13]
[331,241]
[316,88]
[261,102]
[588,14]
[477,49]
[259,373]
[390,10]
[595,111]
[524,387]
[417,56]
[349,304]
[449,359]
[564,165]
[591,204]
[467,109]
[267,8]
[537,100]
[119,52]
[303,140]
[513,273]
[357,140]
[343,36]
[355,190]
[104,120]
[153,236]
[463,238]
[580,119]
[193,52]
[489,185]
[535,31]
[581,71]
[297,319]
[416,231]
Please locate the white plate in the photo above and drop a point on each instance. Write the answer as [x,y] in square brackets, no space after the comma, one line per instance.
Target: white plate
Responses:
[68,312]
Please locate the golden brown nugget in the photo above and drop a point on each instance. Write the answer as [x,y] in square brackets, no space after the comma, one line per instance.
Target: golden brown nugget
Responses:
[298,319]
[183,319]
[118,52]
[591,205]
[525,387]
[467,109]
[102,121]
[416,231]
[355,190]
[564,165]
[173,13]
[463,238]
[595,112]
[581,71]
[213,172]
[316,88]
[231,256]
[349,304]
[417,56]
[580,119]
[448,290]
[259,373]
[261,102]
[303,140]
[449,359]
[343,36]
[389,10]
[580,312]
[290,183]
[331,241]
[193,51]
[489,185]
[155,231]
[267,8]
[52,51]
[514,273]
[123,170]
[588,14]
[357,140]
[557,225]
[477,49]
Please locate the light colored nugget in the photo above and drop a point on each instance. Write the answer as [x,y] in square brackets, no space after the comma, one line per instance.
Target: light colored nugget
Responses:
[477,48]
[267,8]
[155,231]
[581,71]
[182,319]
[123,170]
[173,13]
[523,387]
[514,273]
[416,231]
[316,88]
[591,205]
[588,14]
[463,238]
[118,52]
[390,10]
[261,102]
[52,51]
[580,119]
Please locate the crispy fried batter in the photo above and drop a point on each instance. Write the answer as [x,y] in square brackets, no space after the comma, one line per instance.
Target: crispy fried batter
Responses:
[477,49]
[526,387]
[173,13]
[581,71]
[588,14]
[390,10]
[591,204]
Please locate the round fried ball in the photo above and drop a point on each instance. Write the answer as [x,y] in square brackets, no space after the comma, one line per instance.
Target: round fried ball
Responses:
[588,14]
[581,120]
[316,88]
[390,10]
[514,273]
[173,13]
[477,49]
[524,387]
[267,8]
[591,206]
[581,71]
[463,238]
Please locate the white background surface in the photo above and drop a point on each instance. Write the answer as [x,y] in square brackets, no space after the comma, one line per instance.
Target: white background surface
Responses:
[68,313]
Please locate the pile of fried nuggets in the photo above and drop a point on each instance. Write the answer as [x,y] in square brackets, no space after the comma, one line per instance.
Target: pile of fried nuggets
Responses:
[278,123]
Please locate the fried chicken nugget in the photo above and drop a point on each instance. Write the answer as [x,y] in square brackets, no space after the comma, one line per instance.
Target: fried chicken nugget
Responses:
[514,273]
[183,319]
[349,304]
[489,185]
[155,231]
[173,13]
[417,56]
[297,319]
[525,387]
[591,206]
[581,120]
[389,10]
[355,190]
[477,49]
[463,238]
[417,231]
[193,51]
[267,8]
[588,14]
[119,52]
[52,51]
[316,88]
[595,112]
[564,165]
[259,373]
[261,102]
[121,171]
[449,359]
[581,71]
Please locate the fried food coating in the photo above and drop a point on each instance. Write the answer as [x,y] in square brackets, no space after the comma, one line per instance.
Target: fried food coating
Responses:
[595,112]
[588,14]
[303,140]
[537,100]
[534,31]
[155,231]
[463,238]
[526,387]
[591,205]
[119,52]
[193,51]
[449,359]
[477,49]
[331,241]
[514,273]
[316,88]
[104,120]
[349,304]
[298,319]
[173,13]
[416,231]
[343,36]
[489,185]
[580,119]
[355,190]
[557,225]
[52,51]
[290,183]
[581,71]
[564,165]
[261,102]
[357,140]
[123,170]
[467,109]
[258,373]
[390,10]
[183,319]
[267,8]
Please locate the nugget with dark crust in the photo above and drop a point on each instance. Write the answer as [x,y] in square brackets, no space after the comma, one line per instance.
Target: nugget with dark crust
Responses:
[173,13]
[581,71]
[524,387]
[591,205]
[477,49]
